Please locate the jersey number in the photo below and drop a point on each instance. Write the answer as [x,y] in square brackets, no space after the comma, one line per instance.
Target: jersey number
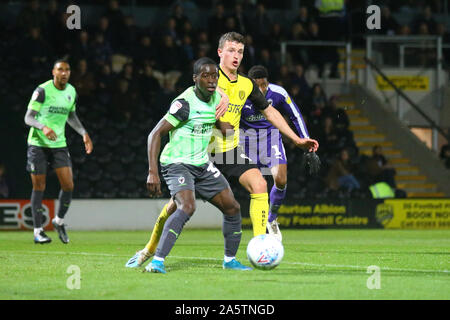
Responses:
[277,151]
[213,169]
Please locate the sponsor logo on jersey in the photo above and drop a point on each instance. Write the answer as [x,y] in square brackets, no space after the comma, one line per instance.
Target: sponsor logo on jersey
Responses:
[59,110]
[175,107]
[35,95]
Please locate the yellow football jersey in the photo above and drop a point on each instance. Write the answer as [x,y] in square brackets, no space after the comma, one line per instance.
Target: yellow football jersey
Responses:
[238,91]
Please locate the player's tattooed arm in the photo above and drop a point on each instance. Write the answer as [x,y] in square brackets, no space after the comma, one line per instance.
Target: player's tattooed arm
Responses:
[153,149]
[225,128]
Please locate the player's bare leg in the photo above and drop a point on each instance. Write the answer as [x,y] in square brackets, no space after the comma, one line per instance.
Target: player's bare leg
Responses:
[277,195]
[39,183]
[65,177]
[253,181]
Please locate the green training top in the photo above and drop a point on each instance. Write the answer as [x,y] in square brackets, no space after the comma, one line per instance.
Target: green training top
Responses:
[53,107]
[193,122]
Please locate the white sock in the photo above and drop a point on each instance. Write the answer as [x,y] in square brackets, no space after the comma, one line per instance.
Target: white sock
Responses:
[228,259]
[37,231]
[59,221]
[158,259]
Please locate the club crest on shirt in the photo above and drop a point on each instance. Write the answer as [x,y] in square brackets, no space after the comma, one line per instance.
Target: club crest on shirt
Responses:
[270,101]
[181,180]
[69,97]
[241,94]
[175,107]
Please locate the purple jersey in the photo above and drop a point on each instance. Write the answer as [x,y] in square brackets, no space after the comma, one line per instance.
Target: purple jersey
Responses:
[260,139]
[280,99]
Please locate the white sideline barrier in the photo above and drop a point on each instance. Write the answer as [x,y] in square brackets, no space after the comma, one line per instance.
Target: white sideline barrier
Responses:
[139,214]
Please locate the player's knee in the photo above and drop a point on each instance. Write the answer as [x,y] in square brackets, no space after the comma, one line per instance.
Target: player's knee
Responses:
[39,185]
[188,207]
[259,186]
[280,182]
[235,208]
[67,187]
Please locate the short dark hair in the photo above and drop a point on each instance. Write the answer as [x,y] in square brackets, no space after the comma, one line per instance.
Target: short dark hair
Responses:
[202,61]
[231,36]
[258,72]
[61,60]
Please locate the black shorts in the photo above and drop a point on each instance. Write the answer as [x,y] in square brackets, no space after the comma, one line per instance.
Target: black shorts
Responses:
[40,158]
[205,180]
[233,163]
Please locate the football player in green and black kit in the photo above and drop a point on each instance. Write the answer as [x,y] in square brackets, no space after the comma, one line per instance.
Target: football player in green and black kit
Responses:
[51,106]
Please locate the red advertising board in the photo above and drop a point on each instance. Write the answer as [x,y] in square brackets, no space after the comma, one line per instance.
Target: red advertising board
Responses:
[16,214]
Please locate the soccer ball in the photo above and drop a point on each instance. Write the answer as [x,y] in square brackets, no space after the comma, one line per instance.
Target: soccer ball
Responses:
[265,252]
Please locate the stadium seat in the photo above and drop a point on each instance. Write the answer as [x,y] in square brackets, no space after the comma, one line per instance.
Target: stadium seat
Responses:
[106,188]
[115,171]
[130,189]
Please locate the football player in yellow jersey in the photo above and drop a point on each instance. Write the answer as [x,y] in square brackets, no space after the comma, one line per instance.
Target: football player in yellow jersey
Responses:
[228,157]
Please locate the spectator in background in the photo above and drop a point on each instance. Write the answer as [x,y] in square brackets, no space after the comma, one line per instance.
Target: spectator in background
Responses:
[171,30]
[241,18]
[145,51]
[187,48]
[127,36]
[378,168]
[172,57]
[179,18]
[101,51]
[124,103]
[283,76]
[298,78]
[276,37]
[327,136]
[31,16]
[341,175]
[269,62]
[104,28]
[105,84]
[250,53]
[445,155]
[260,26]
[303,17]
[216,23]
[84,81]
[426,17]
[36,50]
[317,102]
[340,117]
[203,43]
[6,187]
[115,16]
[149,84]
[389,24]
[82,48]
[187,30]
[52,15]
[230,24]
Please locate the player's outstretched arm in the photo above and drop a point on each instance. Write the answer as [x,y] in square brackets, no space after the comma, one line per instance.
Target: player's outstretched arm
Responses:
[153,149]
[275,117]
[76,125]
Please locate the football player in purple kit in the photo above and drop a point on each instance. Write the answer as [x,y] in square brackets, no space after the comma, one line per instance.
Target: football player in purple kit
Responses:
[262,141]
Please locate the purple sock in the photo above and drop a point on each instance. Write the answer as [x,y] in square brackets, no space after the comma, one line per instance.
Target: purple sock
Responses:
[276,199]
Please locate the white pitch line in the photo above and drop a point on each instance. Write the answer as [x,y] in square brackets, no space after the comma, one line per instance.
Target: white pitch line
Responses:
[217,259]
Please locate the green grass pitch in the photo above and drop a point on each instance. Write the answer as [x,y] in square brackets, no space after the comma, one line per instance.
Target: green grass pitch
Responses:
[318,264]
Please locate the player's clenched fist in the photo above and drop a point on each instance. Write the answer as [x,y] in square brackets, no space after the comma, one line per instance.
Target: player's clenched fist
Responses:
[154,185]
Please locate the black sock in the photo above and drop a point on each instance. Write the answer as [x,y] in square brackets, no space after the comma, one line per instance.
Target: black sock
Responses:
[232,234]
[65,197]
[172,229]
[36,207]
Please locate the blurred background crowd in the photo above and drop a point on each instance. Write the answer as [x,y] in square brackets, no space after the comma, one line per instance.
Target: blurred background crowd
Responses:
[126,75]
